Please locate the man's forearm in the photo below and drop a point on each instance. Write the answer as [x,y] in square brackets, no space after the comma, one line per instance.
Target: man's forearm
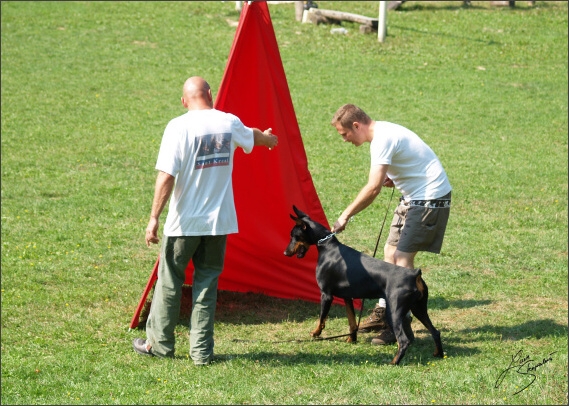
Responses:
[364,198]
[162,192]
[264,138]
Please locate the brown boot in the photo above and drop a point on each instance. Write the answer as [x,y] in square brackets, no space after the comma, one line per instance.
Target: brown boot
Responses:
[385,337]
[375,322]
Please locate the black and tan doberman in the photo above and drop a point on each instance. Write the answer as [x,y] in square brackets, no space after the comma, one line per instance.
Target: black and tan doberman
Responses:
[349,274]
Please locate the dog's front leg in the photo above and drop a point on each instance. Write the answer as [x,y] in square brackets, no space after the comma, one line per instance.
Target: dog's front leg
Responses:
[325,303]
[351,321]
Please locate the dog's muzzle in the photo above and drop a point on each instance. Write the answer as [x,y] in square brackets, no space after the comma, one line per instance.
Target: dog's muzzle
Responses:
[299,249]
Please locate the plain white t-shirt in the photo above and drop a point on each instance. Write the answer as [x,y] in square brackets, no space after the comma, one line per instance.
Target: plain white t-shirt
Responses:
[197,148]
[413,166]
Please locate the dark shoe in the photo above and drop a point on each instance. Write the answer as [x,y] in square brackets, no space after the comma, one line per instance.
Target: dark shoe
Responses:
[407,328]
[375,322]
[386,337]
[141,347]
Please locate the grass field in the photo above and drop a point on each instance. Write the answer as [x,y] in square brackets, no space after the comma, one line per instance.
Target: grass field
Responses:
[87,89]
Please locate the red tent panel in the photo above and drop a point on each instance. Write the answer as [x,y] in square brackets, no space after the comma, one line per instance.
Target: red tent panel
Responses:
[265,183]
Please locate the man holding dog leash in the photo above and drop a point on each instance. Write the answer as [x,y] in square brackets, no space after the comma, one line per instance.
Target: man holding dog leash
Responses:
[194,166]
[399,158]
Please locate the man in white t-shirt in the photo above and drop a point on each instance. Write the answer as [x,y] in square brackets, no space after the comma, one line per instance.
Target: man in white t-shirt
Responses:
[194,166]
[399,158]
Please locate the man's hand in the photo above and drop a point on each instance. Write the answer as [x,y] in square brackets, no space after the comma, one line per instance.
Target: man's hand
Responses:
[265,138]
[388,182]
[271,140]
[151,232]
[340,224]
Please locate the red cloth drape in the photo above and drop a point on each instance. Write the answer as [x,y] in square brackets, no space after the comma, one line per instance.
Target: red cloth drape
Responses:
[266,183]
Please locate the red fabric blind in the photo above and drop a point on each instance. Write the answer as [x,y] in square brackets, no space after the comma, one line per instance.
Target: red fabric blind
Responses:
[266,183]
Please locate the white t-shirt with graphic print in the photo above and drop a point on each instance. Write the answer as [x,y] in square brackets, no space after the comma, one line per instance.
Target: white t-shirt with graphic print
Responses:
[197,148]
[413,166]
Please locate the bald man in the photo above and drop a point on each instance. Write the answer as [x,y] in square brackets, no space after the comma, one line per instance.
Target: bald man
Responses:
[194,166]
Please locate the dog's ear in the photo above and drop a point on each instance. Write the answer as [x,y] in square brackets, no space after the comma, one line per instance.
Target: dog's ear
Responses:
[299,213]
[298,221]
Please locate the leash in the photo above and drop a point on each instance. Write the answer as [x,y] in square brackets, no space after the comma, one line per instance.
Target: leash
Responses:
[311,340]
[383,224]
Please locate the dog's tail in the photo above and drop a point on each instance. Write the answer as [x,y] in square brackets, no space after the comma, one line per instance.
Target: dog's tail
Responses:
[421,286]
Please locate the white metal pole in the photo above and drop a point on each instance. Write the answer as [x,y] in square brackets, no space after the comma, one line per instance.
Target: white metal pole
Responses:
[382,22]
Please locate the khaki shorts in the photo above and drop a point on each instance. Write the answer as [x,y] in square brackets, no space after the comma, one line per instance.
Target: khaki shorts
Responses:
[420,226]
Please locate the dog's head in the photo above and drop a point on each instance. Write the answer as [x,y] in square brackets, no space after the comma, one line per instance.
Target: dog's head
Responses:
[305,233]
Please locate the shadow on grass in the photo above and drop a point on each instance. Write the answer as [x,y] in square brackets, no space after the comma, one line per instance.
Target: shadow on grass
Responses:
[459,343]
[254,308]
[534,329]
[305,357]
[456,345]
[440,303]
[249,308]
[433,6]
[419,353]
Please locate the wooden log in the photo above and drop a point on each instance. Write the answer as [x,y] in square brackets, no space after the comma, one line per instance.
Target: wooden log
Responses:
[311,16]
[317,15]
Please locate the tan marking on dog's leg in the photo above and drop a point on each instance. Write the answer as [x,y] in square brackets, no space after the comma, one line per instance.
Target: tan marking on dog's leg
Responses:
[420,286]
[396,359]
[319,327]
[352,323]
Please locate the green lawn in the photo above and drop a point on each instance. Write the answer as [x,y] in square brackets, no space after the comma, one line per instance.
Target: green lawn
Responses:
[87,89]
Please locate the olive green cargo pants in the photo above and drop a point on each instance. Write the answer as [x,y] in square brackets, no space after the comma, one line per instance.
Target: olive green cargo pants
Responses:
[207,254]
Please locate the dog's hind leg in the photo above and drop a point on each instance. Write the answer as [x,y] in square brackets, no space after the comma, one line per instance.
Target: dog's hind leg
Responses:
[352,321]
[325,303]
[419,310]
[421,314]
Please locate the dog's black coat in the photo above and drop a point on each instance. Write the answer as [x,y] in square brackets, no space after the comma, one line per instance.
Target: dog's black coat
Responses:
[346,273]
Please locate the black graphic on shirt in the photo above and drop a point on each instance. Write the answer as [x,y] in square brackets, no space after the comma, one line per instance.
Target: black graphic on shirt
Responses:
[213,150]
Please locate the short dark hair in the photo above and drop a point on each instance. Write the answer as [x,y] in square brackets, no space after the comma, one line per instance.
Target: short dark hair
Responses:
[348,114]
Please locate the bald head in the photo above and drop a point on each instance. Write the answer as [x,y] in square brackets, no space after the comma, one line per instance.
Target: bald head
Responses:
[196,94]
